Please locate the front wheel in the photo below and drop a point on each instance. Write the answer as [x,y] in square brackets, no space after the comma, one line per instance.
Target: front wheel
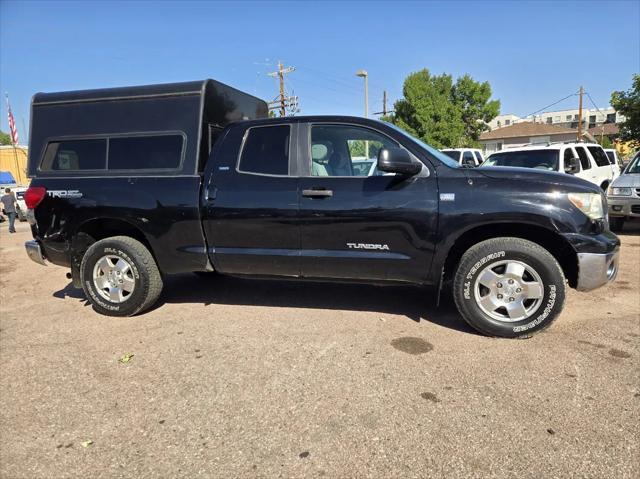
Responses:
[120,277]
[509,287]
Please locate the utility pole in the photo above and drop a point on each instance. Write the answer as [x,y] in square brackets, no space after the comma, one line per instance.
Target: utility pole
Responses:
[580,114]
[283,100]
[384,102]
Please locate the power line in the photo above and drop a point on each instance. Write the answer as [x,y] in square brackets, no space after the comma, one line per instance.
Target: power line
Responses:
[552,104]
[594,104]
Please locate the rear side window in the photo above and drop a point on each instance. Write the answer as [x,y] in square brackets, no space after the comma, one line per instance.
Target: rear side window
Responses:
[599,155]
[74,155]
[145,152]
[612,158]
[584,158]
[266,151]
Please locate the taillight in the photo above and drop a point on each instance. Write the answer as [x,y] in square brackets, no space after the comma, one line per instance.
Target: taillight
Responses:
[33,196]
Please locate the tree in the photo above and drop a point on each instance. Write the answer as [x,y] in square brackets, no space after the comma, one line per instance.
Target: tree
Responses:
[442,113]
[5,139]
[628,104]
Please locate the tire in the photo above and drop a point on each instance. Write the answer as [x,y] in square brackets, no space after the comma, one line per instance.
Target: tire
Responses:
[616,223]
[137,286]
[525,293]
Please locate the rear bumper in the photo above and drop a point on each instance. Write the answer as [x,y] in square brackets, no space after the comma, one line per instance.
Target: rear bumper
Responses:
[595,270]
[34,251]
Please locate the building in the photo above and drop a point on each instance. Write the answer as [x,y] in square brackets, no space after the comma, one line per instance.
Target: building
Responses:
[524,133]
[591,118]
[504,120]
[15,162]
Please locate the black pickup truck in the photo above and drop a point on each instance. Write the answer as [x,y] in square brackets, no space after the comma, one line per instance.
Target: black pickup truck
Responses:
[131,184]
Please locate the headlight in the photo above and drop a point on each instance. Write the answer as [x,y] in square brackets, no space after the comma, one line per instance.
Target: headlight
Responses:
[613,191]
[589,203]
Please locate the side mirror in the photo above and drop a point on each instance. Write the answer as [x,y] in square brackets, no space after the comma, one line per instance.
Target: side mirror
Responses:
[572,166]
[397,160]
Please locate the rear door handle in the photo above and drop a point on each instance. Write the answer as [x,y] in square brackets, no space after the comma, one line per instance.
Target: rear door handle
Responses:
[317,193]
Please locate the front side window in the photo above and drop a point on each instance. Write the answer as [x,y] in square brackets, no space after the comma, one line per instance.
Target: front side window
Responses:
[160,152]
[467,159]
[478,157]
[584,158]
[266,151]
[599,155]
[346,150]
[540,159]
[75,155]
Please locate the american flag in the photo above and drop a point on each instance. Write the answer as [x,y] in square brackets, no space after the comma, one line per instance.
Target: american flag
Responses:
[12,125]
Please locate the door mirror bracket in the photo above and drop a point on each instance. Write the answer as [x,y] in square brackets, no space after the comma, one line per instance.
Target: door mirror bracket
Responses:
[572,166]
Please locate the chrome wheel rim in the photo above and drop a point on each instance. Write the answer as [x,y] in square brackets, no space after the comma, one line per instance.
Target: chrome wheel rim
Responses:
[113,278]
[509,291]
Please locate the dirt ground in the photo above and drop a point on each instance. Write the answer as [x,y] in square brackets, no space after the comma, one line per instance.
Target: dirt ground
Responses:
[240,378]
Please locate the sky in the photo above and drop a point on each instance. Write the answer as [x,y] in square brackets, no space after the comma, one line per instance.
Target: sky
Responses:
[531,53]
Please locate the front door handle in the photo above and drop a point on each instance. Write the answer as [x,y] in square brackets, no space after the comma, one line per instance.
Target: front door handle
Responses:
[317,193]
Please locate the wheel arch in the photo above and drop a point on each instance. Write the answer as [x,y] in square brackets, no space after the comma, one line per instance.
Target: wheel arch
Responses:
[97,229]
[550,240]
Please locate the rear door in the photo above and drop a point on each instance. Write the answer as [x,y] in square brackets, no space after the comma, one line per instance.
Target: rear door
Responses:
[251,202]
[588,172]
[375,227]
[604,168]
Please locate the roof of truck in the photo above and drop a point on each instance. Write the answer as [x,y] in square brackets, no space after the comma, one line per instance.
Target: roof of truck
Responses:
[129,92]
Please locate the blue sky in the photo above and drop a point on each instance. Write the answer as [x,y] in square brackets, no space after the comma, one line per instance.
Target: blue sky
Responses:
[532,53]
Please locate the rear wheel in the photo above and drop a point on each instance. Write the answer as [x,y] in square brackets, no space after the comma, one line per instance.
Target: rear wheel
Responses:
[509,287]
[120,277]
[616,223]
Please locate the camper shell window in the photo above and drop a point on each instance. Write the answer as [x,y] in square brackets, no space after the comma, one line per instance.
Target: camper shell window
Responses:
[115,153]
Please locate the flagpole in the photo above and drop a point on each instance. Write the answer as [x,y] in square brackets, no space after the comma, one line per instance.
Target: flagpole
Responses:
[15,153]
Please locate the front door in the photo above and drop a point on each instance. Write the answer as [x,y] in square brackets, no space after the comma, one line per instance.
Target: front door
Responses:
[251,204]
[355,221]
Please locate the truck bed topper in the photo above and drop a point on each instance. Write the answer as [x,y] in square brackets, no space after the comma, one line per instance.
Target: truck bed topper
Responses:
[197,109]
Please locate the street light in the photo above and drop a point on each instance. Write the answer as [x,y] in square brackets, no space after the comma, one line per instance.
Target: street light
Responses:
[365,75]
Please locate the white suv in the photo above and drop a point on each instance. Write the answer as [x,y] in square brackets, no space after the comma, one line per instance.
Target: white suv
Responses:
[584,160]
[465,156]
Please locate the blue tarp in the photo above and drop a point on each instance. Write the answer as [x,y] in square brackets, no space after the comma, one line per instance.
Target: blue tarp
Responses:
[6,178]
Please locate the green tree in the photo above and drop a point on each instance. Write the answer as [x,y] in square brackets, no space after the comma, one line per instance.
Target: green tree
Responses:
[444,113]
[604,141]
[5,139]
[628,104]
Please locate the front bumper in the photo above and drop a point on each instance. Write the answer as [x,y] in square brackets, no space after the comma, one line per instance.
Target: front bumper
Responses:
[595,269]
[628,207]
[35,252]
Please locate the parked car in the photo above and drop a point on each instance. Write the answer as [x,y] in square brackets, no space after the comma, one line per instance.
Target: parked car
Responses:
[8,181]
[624,195]
[465,156]
[615,160]
[583,160]
[157,196]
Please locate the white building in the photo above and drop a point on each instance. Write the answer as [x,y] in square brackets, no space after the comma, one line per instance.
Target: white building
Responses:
[566,118]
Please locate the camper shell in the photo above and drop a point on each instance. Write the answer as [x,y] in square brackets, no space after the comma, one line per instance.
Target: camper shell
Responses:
[198,111]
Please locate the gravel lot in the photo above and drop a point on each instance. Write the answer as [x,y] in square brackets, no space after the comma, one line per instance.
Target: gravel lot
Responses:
[240,378]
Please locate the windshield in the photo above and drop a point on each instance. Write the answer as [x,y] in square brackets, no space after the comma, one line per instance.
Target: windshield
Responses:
[634,166]
[437,153]
[540,159]
[454,155]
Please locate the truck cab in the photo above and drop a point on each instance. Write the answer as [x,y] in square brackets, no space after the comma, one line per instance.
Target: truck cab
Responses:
[132,188]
